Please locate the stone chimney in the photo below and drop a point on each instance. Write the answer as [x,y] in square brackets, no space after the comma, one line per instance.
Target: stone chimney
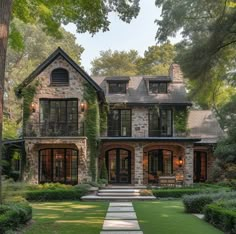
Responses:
[175,73]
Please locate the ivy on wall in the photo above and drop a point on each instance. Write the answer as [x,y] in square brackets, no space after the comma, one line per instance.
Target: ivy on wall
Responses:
[104,110]
[180,120]
[92,127]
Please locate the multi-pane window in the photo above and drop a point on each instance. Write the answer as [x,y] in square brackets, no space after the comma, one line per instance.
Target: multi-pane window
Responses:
[59,77]
[157,87]
[119,123]
[116,87]
[58,165]
[160,122]
[58,117]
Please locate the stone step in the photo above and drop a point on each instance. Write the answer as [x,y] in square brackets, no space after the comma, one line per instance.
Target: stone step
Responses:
[121,232]
[126,187]
[117,198]
[119,190]
[123,225]
[118,194]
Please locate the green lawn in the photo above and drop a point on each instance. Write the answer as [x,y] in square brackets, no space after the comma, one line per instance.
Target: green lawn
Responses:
[168,217]
[67,217]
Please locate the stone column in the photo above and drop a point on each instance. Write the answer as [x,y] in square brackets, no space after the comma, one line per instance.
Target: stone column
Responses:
[188,164]
[138,167]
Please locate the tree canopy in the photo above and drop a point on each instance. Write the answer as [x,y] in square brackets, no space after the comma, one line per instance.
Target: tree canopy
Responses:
[156,61]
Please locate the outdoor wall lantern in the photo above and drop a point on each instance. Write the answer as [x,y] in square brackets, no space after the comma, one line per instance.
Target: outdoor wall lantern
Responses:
[82,106]
[180,162]
[33,107]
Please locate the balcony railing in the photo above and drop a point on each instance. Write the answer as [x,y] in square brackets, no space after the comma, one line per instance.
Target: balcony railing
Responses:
[160,133]
[54,129]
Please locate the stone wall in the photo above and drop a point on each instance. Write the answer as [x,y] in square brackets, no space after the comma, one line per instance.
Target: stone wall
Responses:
[33,145]
[139,122]
[188,164]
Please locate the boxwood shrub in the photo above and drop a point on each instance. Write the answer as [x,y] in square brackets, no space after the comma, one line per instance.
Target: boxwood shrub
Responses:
[221,217]
[196,203]
[175,193]
[56,194]
[12,215]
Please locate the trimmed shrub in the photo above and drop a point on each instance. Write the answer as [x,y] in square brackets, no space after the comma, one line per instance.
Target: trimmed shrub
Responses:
[176,193]
[145,192]
[220,217]
[196,203]
[12,215]
[47,186]
[57,194]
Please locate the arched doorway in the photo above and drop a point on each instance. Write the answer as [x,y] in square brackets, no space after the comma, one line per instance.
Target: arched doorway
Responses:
[160,162]
[118,163]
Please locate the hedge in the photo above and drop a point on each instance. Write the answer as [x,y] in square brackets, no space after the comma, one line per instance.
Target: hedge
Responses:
[196,203]
[57,194]
[220,217]
[175,193]
[12,215]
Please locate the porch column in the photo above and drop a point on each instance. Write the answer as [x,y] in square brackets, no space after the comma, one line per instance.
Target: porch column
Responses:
[188,164]
[138,164]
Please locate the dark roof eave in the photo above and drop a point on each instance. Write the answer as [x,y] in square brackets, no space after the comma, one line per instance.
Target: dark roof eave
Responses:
[179,139]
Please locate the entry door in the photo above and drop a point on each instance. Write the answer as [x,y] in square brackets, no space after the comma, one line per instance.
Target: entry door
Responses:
[118,163]
[200,166]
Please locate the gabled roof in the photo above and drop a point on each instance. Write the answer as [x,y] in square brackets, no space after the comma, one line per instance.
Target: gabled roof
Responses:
[203,124]
[138,93]
[59,52]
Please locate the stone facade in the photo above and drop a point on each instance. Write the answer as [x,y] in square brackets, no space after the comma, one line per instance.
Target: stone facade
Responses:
[188,162]
[140,122]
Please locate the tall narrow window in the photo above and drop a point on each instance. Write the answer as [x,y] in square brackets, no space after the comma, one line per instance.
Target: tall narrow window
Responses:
[119,123]
[160,122]
[59,76]
[58,117]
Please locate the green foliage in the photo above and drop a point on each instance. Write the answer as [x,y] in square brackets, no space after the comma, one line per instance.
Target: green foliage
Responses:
[180,120]
[48,186]
[104,110]
[221,217]
[10,127]
[14,214]
[55,194]
[103,173]
[176,192]
[92,126]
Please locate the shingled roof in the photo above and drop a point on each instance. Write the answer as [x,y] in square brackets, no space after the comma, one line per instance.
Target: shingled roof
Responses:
[203,124]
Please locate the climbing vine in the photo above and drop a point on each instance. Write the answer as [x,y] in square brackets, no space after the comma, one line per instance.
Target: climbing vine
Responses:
[104,110]
[180,120]
[92,128]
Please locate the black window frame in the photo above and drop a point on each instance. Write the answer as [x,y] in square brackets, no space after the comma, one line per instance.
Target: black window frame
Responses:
[117,132]
[152,131]
[51,180]
[60,74]
[69,127]
[158,85]
[118,89]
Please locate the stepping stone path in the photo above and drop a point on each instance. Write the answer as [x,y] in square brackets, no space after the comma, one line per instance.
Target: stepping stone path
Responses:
[121,219]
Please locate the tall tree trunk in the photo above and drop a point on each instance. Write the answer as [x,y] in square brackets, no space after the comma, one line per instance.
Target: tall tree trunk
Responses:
[5,16]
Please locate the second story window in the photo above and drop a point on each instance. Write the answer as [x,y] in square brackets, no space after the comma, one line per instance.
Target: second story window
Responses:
[160,123]
[119,123]
[157,87]
[59,77]
[116,87]
[58,117]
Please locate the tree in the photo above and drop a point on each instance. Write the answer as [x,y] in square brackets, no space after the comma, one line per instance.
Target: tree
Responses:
[88,16]
[156,60]
[115,63]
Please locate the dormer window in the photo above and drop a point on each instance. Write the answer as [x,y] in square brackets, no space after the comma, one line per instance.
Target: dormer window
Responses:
[116,87]
[157,87]
[59,77]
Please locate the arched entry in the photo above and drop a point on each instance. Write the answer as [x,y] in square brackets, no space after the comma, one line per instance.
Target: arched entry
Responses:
[118,162]
[160,162]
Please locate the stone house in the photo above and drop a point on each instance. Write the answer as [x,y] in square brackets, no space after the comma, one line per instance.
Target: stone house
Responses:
[149,130]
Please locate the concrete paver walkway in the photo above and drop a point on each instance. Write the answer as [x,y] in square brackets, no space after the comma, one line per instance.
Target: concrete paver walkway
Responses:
[121,219]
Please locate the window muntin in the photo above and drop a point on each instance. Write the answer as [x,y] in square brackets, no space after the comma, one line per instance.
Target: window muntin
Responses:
[157,87]
[119,123]
[160,122]
[58,116]
[117,87]
[58,165]
[59,76]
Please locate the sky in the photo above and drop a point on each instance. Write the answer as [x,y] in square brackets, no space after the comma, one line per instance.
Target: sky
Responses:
[138,35]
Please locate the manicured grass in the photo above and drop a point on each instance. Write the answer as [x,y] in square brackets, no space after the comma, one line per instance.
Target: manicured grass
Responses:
[168,217]
[67,217]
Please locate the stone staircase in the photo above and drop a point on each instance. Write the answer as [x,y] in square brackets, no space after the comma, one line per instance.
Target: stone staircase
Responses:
[117,193]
